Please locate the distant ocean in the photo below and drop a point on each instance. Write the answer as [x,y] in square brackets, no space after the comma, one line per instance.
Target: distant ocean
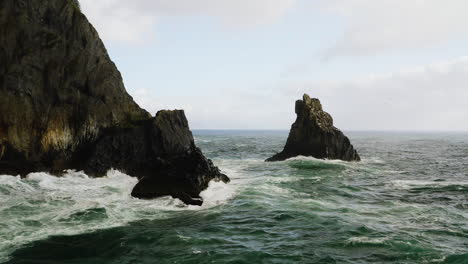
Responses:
[406,202]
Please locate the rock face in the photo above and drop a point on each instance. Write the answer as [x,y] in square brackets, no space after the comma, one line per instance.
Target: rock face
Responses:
[313,134]
[163,154]
[63,105]
[58,86]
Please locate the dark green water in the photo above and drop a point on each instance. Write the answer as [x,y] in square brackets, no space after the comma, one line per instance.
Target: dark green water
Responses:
[406,202]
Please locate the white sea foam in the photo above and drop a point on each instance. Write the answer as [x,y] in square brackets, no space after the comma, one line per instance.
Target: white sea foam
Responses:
[307,158]
[367,240]
[410,184]
[371,160]
[59,204]
[203,140]
[217,193]
[15,184]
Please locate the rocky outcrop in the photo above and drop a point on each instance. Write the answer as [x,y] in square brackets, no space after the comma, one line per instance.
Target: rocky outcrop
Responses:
[313,134]
[163,155]
[63,105]
[58,87]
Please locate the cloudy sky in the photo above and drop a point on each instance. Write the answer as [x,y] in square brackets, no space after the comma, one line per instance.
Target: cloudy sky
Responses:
[241,64]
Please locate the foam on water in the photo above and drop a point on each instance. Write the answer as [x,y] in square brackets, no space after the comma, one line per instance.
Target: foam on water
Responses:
[365,160]
[217,193]
[394,206]
[43,205]
[410,184]
[366,240]
[372,160]
[305,158]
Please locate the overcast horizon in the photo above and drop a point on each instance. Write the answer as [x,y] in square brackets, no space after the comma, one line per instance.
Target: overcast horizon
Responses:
[286,130]
[388,65]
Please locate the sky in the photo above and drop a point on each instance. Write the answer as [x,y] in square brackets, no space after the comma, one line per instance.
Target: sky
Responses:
[241,64]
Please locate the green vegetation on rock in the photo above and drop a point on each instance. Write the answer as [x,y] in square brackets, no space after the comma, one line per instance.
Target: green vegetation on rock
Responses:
[76,4]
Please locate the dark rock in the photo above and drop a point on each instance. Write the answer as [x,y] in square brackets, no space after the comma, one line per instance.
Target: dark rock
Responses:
[313,134]
[58,86]
[63,105]
[161,152]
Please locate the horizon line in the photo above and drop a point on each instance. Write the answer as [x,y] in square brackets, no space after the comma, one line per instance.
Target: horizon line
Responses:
[348,130]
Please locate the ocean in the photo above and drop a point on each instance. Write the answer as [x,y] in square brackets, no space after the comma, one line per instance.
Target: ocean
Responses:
[405,202]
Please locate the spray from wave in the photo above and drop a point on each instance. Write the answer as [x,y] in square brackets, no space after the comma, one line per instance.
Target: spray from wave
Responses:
[42,205]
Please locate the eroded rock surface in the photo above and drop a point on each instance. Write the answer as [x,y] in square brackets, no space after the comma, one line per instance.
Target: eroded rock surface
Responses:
[313,134]
[161,152]
[63,105]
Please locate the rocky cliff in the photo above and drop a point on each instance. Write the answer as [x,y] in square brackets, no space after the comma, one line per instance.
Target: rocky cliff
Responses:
[161,152]
[313,134]
[63,105]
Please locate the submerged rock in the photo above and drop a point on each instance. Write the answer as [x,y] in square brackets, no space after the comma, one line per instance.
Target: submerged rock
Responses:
[313,134]
[63,105]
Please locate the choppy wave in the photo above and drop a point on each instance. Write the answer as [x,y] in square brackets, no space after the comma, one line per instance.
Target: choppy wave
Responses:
[422,185]
[366,241]
[405,202]
[306,158]
[43,205]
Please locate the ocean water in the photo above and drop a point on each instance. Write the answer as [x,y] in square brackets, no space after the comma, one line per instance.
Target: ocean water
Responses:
[406,202]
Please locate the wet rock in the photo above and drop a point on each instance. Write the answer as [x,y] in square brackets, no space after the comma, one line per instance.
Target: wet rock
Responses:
[161,152]
[58,87]
[63,105]
[313,134]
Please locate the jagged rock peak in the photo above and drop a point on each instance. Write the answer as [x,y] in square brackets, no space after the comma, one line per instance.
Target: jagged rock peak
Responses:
[63,105]
[313,134]
[311,108]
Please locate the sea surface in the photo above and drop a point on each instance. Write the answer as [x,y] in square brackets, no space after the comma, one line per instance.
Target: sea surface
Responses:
[406,202]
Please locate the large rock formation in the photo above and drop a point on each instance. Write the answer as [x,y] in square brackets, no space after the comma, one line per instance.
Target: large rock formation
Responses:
[313,134]
[163,154]
[63,105]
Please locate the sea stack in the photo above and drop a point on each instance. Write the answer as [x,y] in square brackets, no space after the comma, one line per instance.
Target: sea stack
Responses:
[314,135]
[63,105]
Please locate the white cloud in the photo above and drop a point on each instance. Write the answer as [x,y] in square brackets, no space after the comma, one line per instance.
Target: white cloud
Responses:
[224,110]
[134,21]
[373,26]
[431,97]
